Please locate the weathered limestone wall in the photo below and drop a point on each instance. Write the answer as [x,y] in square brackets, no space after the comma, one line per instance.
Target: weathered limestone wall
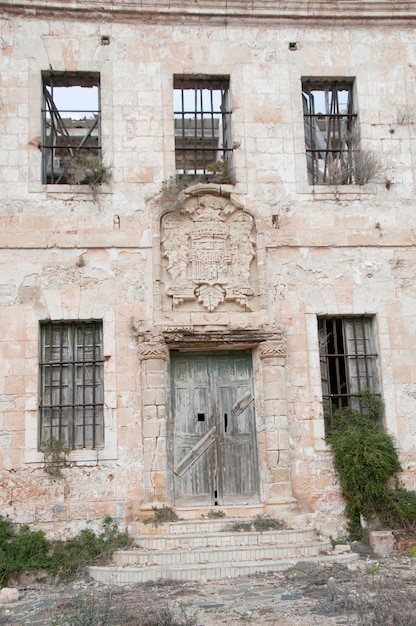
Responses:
[324,250]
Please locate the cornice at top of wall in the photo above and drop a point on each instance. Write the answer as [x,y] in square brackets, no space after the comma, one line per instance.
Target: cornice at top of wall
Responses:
[229,9]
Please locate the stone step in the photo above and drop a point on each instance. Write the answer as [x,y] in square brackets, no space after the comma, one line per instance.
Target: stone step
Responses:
[237,554]
[117,575]
[183,527]
[197,572]
[223,538]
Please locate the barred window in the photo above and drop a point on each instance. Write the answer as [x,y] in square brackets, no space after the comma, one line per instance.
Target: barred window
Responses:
[202,113]
[71,384]
[71,127]
[331,134]
[348,360]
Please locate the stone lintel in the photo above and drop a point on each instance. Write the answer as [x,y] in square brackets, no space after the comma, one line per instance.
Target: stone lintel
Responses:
[220,338]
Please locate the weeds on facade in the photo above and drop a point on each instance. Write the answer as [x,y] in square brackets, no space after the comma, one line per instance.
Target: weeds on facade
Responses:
[366,459]
[216,514]
[218,172]
[21,551]
[90,170]
[55,458]
[172,188]
[221,172]
[239,527]
[261,523]
[69,558]
[357,166]
[29,551]
[406,115]
[161,515]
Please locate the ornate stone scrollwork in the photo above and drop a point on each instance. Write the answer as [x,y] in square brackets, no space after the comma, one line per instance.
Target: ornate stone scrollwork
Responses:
[153,350]
[274,348]
[208,249]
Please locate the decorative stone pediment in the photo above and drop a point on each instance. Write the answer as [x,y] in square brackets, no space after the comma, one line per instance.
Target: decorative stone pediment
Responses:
[208,250]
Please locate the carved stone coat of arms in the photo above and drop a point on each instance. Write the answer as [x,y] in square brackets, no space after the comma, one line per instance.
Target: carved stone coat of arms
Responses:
[208,252]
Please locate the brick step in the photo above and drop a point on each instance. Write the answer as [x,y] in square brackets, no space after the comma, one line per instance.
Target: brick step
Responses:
[183,558]
[223,539]
[199,572]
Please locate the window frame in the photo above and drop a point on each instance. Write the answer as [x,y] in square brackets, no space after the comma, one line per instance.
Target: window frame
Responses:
[70,418]
[341,129]
[349,362]
[57,169]
[218,117]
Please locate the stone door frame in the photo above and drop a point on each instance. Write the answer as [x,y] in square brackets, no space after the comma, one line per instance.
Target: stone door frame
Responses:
[269,356]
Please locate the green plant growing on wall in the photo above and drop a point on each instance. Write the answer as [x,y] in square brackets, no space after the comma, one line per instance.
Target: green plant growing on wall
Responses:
[70,558]
[22,550]
[216,514]
[55,458]
[90,170]
[263,523]
[172,188]
[221,171]
[25,550]
[161,516]
[366,459]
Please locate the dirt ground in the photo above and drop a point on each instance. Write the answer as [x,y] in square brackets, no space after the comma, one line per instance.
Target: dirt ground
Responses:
[367,591]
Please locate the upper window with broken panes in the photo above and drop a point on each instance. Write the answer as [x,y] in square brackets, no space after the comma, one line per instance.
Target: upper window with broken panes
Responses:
[349,363]
[202,112]
[331,133]
[71,127]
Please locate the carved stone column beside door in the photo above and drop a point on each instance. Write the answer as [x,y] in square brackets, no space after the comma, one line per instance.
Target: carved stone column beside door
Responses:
[154,356]
[273,355]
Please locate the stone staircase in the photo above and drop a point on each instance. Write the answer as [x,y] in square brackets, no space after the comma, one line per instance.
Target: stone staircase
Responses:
[208,550]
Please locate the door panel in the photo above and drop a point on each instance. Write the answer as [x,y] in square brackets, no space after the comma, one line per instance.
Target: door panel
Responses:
[214,393]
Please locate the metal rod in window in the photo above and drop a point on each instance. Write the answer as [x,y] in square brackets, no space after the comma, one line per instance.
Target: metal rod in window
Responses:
[94,366]
[49,332]
[182,153]
[337,366]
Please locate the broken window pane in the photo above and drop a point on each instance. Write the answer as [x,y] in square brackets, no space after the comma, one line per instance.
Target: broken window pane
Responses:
[348,359]
[71,126]
[202,112]
[72,389]
[330,133]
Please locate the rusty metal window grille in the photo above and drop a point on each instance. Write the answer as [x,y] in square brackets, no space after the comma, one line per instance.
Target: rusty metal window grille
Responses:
[71,384]
[330,131]
[348,360]
[71,126]
[202,115]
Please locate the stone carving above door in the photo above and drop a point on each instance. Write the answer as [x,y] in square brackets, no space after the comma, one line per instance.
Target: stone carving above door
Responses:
[208,250]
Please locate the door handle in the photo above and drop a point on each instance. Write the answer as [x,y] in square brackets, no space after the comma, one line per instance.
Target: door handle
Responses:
[225,422]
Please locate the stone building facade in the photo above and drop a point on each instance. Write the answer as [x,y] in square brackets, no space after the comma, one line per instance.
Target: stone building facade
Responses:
[207,242]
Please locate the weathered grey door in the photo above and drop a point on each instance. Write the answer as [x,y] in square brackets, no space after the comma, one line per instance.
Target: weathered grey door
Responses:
[214,434]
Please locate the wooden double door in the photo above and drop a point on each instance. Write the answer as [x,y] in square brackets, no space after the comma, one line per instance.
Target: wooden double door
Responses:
[213,430]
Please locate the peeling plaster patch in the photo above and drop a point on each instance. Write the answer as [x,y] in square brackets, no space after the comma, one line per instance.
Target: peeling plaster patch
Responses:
[121,511]
[6,404]
[6,441]
[8,294]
